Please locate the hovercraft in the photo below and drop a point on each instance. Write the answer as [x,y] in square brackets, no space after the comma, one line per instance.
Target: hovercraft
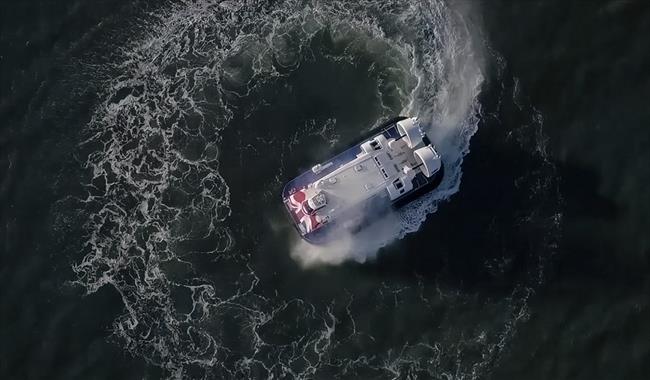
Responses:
[395,164]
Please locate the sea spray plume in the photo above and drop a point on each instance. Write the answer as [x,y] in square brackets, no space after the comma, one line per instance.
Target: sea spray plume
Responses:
[358,243]
[450,76]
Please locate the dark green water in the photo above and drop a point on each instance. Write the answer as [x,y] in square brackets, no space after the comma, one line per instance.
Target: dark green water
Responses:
[143,146]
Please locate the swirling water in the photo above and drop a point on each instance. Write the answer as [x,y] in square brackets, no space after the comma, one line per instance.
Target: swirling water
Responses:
[199,111]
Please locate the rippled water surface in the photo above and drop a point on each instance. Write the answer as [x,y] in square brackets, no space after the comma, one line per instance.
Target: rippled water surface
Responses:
[143,147]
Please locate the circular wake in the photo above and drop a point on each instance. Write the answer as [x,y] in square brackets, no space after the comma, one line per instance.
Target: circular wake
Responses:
[171,236]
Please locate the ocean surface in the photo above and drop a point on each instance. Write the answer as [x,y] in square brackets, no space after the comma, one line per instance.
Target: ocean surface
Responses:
[144,145]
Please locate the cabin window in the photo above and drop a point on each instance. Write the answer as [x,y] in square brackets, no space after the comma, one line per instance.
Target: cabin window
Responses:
[377,161]
[384,173]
